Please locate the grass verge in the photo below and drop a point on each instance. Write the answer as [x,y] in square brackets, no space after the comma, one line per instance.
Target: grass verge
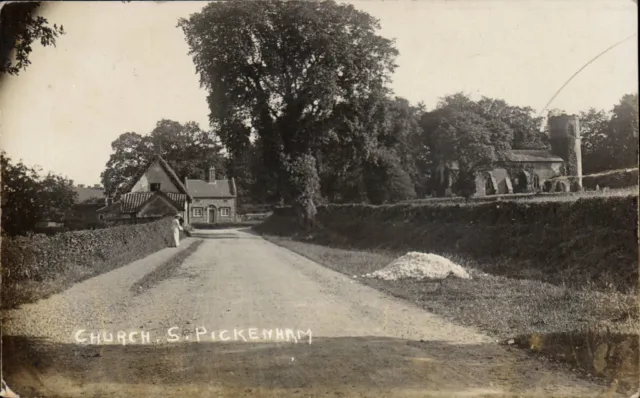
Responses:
[165,271]
[594,332]
[17,293]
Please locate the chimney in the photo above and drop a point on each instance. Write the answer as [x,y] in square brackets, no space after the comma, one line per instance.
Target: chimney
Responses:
[212,174]
[108,200]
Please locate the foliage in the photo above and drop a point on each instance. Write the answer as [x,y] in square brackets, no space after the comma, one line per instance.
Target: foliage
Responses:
[40,257]
[189,150]
[281,68]
[305,188]
[28,198]
[594,125]
[467,139]
[624,131]
[610,141]
[373,154]
[20,27]
[526,127]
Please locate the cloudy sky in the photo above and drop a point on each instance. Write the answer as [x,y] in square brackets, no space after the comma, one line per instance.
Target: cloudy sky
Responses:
[122,67]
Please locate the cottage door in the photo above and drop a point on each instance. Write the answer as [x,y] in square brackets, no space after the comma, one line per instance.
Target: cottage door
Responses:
[212,215]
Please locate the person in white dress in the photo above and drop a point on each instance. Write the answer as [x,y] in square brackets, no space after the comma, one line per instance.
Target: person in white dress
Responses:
[176,228]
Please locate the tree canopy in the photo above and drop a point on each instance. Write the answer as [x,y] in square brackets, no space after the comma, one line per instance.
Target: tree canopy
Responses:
[281,69]
[28,197]
[189,150]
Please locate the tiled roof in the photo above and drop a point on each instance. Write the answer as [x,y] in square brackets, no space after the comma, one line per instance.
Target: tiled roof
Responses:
[134,201]
[532,155]
[217,189]
[172,175]
[85,193]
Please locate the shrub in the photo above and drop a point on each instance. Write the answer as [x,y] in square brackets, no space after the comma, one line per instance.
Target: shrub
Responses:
[41,257]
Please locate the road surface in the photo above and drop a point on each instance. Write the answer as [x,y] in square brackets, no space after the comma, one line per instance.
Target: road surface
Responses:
[242,317]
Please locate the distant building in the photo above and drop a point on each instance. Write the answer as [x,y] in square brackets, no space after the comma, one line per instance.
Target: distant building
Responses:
[156,192]
[527,170]
[215,200]
[88,200]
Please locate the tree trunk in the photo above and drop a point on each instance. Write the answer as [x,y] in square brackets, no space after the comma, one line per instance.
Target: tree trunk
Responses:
[305,211]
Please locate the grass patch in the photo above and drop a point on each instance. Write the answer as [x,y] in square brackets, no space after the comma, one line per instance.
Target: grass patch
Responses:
[166,270]
[507,308]
[15,294]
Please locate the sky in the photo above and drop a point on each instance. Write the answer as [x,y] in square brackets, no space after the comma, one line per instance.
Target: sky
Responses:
[122,67]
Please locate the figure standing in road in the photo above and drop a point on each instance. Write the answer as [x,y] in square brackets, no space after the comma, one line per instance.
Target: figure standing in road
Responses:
[176,228]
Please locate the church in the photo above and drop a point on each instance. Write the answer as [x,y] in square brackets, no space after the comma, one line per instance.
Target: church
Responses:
[527,171]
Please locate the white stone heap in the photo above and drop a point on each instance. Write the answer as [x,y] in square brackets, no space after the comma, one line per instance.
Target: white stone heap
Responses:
[420,266]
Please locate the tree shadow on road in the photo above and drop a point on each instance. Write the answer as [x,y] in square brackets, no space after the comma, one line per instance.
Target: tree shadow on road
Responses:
[328,364]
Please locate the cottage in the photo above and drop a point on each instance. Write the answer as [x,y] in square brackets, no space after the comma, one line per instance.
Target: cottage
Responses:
[154,193]
[214,200]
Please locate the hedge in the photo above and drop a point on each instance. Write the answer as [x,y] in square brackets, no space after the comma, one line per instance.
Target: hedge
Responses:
[612,180]
[615,179]
[42,257]
[588,240]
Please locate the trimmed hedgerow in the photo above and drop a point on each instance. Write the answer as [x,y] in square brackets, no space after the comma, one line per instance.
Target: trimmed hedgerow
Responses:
[615,179]
[612,180]
[587,241]
[42,257]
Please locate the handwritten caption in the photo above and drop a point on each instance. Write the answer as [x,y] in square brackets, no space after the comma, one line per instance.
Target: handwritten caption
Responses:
[201,334]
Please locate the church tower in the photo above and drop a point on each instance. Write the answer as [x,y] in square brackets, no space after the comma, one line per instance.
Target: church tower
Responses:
[564,136]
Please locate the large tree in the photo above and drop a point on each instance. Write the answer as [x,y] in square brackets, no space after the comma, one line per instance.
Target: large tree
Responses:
[28,197]
[610,140]
[374,152]
[527,128]
[281,68]
[596,152]
[189,150]
[623,132]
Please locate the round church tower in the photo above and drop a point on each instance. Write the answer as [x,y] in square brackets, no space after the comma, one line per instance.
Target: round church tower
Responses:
[564,136]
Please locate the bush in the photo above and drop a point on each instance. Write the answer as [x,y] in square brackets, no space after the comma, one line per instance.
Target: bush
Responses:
[42,257]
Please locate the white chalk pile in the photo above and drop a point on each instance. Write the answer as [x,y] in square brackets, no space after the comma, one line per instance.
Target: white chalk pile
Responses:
[420,266]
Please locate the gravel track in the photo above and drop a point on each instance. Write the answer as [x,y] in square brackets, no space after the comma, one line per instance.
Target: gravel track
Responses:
[364,343]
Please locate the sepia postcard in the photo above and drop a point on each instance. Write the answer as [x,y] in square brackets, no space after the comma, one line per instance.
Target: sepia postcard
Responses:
[319,198]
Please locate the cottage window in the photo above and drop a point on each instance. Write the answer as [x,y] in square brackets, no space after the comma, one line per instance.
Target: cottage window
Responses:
[101,217]
[197,211]
[155,186]
[225,211]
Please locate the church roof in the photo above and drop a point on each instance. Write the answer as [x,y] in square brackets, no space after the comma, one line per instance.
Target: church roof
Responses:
[532,155]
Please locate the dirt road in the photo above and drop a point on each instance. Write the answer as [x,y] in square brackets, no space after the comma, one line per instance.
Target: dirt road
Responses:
[244,317]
